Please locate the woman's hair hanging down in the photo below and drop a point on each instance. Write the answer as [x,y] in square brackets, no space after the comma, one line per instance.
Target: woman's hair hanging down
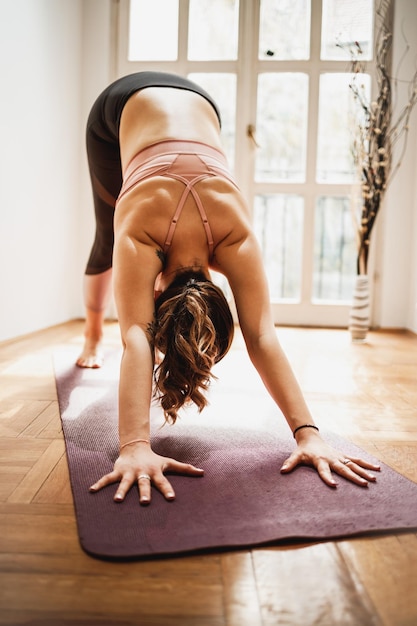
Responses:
[194,329]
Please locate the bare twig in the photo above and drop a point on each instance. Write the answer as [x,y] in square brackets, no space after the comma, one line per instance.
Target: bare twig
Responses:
[376,132]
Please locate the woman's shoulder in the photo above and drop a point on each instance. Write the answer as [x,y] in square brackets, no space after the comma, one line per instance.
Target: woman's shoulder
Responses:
[228,209]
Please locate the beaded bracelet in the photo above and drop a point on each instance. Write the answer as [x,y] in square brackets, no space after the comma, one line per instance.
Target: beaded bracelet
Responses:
[304,426]
[128,443]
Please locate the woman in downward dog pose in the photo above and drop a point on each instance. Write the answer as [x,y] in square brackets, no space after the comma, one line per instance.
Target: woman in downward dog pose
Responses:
[167,212]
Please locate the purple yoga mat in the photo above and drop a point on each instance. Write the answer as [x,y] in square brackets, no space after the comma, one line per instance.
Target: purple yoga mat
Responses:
[241,501]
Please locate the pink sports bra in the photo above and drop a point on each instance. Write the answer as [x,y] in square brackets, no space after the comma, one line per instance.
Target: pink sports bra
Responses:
[187,161]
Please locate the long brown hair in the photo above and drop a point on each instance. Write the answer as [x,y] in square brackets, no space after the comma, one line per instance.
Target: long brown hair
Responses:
[194,329]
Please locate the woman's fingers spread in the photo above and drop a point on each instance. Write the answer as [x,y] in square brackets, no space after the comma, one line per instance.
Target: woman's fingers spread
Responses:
[123,488]
[354,469]
[353,477]
[354,472]
[164,487]
[182,468]
[144,484]
[146,481]
[290,463]
[160,482]
[108,479]
[323,469]
[357,469]
[366,464]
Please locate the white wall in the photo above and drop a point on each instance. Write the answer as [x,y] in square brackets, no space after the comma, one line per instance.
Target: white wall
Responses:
[54,59]
[39,162]
[396,256]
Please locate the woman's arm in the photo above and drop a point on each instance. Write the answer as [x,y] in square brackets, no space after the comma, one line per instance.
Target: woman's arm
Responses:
[136,266]
[242,264]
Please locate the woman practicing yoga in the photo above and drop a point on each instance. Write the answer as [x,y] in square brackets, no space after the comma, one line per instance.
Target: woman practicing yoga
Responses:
[168,211]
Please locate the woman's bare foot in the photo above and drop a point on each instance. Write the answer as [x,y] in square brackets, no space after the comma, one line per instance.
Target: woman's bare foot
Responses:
[96,295]
[91,356]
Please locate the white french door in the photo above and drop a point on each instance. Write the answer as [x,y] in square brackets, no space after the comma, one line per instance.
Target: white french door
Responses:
[277,69]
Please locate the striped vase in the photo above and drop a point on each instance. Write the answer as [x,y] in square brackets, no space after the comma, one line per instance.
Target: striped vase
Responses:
[359,313]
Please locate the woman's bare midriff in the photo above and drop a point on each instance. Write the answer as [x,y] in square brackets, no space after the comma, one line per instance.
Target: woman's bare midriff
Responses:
[157,114]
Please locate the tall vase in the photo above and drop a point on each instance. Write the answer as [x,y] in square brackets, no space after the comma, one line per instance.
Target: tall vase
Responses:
[360,311]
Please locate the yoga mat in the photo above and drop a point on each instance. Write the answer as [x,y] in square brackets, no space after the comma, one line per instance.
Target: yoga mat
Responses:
[241,501]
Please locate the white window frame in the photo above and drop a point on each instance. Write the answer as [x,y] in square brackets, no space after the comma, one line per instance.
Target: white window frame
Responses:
[306,312]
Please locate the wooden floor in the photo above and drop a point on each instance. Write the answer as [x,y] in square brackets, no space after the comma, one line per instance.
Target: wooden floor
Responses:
[367,393]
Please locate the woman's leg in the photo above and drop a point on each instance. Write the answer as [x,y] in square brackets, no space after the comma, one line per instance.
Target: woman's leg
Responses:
[106,180]
[97,290]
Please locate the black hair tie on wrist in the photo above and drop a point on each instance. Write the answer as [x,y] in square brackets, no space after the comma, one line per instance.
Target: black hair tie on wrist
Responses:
[305,426]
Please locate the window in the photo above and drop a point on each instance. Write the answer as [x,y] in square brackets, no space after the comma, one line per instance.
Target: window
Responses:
[278,71]
[150,38]
[281,122]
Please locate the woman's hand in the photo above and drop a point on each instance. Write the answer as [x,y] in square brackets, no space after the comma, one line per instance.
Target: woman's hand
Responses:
[312,450]
[143,467]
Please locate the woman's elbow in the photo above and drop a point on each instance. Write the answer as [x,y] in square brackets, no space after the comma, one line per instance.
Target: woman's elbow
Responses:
[257,344]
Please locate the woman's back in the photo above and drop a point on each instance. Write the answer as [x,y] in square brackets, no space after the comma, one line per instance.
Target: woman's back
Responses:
[154,117]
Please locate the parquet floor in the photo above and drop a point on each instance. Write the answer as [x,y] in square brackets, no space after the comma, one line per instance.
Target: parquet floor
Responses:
[367,393]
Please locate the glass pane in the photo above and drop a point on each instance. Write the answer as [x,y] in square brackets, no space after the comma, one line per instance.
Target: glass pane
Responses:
[150,37]
[345,22]
[334,249]
[281,127]
[213,30]
[278,225]
[338,116]
[223,89]
[284,32]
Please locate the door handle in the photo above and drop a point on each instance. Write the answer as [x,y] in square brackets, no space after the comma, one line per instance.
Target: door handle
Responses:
[251,133]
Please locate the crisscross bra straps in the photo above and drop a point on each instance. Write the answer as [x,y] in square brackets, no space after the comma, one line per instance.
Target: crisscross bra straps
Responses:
[186,161]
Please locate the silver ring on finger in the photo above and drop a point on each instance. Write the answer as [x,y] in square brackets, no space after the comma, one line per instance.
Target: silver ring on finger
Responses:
[146,476]
[346,461]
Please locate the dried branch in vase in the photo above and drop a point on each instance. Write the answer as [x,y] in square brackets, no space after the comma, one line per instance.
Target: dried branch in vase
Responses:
[376,133]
